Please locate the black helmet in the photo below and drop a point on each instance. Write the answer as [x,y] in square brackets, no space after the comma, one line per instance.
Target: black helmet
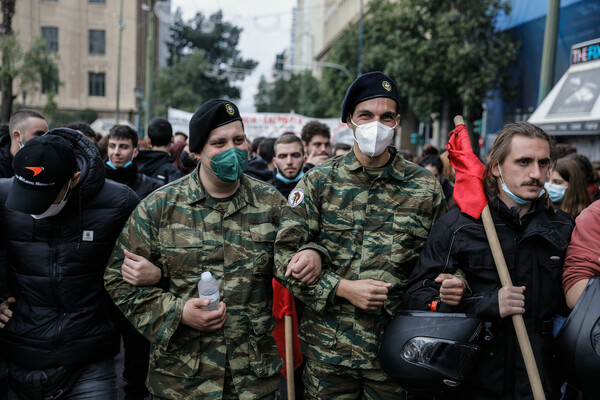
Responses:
[429,351]
[579,341]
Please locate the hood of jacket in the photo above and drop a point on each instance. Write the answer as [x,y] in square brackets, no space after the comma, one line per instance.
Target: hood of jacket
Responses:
[89,161]
[149,161]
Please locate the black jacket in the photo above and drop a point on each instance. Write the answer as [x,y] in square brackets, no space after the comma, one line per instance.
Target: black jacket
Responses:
[534,247]
[6,158]
[158,165]
[141,184]
[258,168]
[55,267]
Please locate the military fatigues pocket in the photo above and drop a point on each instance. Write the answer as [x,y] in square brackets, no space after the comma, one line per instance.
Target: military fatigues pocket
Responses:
[263,247]
[410,235]
[262,351]
[180,250]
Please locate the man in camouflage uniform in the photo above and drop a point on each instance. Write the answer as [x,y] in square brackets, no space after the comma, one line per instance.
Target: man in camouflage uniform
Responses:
[215,219]
[365,217]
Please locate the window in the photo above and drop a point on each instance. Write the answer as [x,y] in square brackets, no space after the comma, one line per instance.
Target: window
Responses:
[97,41]
[50,33]
[50,84]
[97,83]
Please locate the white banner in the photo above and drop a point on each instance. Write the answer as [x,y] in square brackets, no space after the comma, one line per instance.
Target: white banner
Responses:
[269,124]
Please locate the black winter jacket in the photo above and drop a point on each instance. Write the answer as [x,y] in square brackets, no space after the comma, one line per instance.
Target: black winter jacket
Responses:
[158,165]
[55,267]
[534,247]
[141,184]
[6,158]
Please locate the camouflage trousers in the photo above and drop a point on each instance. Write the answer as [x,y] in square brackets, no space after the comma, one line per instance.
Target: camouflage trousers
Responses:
[229,392]
[326,381]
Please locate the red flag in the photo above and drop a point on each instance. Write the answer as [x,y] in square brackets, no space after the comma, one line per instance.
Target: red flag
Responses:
[283,304]
[469,193]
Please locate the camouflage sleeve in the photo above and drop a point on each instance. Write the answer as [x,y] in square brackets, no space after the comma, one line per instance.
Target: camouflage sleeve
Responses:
[153,312]
[298,231]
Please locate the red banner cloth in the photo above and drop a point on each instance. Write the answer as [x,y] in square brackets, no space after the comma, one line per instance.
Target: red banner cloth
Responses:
[283,304]
[469,193]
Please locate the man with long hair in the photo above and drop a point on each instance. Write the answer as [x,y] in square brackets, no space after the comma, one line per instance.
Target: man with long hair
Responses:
[534,236]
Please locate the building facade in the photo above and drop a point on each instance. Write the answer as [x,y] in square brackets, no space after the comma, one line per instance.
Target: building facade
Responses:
[85,36]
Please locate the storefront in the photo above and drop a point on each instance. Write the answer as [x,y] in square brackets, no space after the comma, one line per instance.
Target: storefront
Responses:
[571,111]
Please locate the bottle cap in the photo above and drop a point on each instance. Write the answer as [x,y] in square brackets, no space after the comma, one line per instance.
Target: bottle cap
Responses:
[206,276]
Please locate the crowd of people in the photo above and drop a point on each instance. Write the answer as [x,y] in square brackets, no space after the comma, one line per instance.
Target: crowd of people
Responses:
[102,241]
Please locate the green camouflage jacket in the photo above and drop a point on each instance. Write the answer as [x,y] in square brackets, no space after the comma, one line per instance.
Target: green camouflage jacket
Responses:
[364,229]
[189,232]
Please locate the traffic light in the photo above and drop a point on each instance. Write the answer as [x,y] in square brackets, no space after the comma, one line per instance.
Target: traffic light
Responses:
[477,127]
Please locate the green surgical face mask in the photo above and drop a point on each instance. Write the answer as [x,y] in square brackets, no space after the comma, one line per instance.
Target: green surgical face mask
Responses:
[228,165]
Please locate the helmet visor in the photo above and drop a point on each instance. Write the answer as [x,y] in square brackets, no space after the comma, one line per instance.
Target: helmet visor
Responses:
[449,358]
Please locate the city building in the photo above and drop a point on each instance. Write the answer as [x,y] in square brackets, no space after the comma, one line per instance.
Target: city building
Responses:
[85,36]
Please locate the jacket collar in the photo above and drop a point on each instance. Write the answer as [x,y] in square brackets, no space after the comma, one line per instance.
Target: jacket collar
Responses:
[244,195]
[395,169]
[534,223]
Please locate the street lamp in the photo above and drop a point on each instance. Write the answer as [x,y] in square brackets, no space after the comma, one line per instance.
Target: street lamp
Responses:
[139,95]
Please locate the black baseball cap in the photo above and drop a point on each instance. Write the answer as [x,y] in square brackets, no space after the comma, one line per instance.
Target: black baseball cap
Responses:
[210,115]
[366,87]
[42,168]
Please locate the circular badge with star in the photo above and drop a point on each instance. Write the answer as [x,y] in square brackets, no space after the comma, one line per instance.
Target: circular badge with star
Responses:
[229,109]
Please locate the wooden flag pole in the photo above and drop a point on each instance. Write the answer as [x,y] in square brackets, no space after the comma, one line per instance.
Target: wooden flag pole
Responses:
[289,357]
[518,322]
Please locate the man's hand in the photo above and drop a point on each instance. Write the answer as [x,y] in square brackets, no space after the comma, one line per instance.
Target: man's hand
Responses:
[5,311]
[305,266]
[138,271]
[367,294]
[195,316]
[452,289]
[511,300]
[315,159]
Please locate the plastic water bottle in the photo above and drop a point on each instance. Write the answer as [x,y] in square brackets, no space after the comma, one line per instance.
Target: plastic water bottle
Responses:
[208,288]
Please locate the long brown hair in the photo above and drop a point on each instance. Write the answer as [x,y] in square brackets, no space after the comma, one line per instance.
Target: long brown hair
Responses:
[577,196]
[501,149]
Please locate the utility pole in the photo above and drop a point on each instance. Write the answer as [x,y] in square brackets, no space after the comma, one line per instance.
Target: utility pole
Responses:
[121,28]
[549,50]
[149,66]
[360,38]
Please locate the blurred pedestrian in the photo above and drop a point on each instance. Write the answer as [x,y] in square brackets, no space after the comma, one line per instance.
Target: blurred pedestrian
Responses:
[567,187]
[23,125]
[340,149]
[433,163]
[316,136]
[591,176]
[158,162]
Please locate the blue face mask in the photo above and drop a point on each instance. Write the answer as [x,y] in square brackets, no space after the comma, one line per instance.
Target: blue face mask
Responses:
[286,180]
[556,192]
[510,194]
[110,164]
[228,165]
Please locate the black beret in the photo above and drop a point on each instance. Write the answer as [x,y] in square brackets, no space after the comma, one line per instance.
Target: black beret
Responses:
[210,115]
[369,86]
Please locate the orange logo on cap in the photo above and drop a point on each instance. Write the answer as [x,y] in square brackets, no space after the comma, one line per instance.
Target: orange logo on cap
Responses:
[36,170]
